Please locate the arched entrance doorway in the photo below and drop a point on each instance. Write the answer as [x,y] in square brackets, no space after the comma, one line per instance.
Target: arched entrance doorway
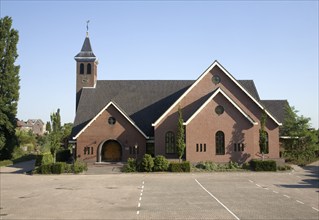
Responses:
[111,151]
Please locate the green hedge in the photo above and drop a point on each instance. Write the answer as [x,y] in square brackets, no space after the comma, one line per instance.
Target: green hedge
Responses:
[180,167]
[79,166]
[160,163]
[263,165]
[45,169]
[147,163]
[62,167]
[43,159]
[58,168]
[131,166]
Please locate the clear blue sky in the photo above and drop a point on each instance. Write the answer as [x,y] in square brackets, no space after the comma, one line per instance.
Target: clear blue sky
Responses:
[274,43]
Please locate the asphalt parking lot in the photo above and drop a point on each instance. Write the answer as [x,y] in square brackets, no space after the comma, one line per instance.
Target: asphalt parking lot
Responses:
[228,195]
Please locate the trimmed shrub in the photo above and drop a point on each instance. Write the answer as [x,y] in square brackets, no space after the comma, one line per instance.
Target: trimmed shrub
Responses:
[79,166]
[263,165]
[43,159]
[58,168]
[160,163]
[207,165]
[284,167]
[147,163]
[131,165]
[46,168]
[180,167]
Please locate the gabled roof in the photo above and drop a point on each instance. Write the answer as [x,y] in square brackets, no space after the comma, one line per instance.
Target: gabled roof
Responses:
[86,51]
[215,63]
[277,108]
[142,100]
[216,92]
[118,109]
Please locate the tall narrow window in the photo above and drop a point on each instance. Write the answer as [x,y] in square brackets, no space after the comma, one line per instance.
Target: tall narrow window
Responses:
[170,143]
[266,150]
[88,71]
[81,68]
[220,143]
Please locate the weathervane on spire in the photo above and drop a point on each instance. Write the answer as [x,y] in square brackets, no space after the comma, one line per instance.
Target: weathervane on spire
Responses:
[87,25]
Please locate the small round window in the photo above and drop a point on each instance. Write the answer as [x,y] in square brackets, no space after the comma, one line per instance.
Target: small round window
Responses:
[216,79]
[219,110]
[111,120]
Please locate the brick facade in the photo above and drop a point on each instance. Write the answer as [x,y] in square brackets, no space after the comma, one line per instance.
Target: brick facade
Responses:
[237,127]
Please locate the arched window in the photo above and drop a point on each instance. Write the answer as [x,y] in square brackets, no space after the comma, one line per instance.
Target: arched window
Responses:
[170,143]
[81,68]
[220,143]
[88,71]
[264,148]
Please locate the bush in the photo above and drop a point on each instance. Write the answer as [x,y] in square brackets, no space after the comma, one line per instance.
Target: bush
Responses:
[147,163]
[246,166]
[131,165]
[180,167]
[207,165]
[43,159]
[160,163]
[263,165]
[58,168]
[45,169]
[79,166]
[284,167]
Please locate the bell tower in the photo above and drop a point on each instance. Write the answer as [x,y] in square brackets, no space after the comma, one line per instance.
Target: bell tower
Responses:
[86,68]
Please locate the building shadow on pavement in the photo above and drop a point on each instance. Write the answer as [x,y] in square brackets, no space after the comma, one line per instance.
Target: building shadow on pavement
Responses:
[310,178]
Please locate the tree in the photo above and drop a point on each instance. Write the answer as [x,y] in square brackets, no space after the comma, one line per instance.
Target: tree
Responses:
[263,135]
[56,133]
[180,135]
[9,87]
[300,141]
[48,127]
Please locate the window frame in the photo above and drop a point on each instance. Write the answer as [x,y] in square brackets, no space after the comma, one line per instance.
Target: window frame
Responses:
[220,143]
[170,143]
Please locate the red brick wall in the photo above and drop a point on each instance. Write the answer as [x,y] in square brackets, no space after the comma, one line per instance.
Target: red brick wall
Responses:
[100,131]
[231,122]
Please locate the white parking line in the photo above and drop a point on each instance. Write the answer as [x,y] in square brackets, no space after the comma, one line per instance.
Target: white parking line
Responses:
[274,191]
[287,196]
[141,194]
[216,199]
[299,202]
[258,185]
[251,181]
[315,209]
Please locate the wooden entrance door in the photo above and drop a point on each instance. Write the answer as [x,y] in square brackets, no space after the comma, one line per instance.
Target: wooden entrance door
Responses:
[111,151]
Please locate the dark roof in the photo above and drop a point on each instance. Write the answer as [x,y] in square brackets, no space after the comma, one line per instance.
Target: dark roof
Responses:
[86,51]
[144,101]
[276,108]
[249,85]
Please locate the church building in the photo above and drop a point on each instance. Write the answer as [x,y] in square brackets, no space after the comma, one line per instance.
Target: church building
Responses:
[119,119]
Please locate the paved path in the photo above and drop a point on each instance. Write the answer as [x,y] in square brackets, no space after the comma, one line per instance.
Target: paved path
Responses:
[105,168]
[22,167]
[221,195]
